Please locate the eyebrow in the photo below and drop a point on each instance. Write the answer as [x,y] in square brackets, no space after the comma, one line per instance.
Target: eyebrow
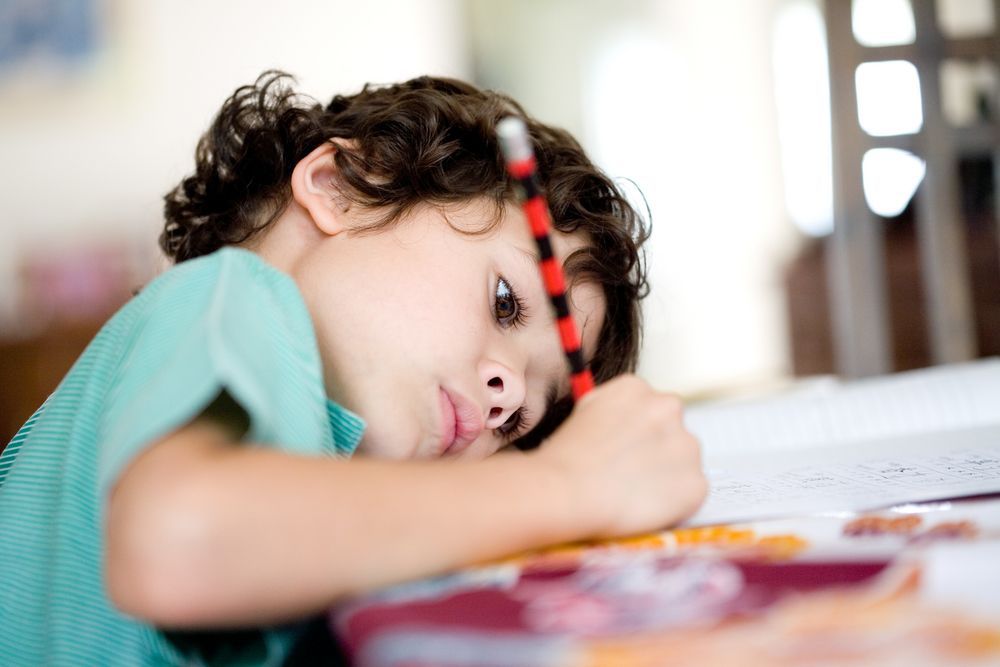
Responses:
[529,256]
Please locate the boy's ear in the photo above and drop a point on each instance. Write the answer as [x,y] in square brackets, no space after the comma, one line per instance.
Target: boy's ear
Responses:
[314,188]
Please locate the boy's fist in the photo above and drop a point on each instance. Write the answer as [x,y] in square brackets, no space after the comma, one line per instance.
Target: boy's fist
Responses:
[629,463]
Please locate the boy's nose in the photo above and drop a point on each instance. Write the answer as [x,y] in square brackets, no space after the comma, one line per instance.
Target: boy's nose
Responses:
[505,392]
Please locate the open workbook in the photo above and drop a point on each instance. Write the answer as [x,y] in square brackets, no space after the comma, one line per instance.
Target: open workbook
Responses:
[910,437]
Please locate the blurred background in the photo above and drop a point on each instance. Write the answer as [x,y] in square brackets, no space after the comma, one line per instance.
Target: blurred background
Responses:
[821,176]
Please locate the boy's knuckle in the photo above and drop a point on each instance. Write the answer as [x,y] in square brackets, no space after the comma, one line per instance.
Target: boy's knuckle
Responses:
[699,489]
[669,405]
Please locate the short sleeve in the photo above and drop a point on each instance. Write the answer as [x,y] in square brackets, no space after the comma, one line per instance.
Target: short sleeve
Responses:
[225,322]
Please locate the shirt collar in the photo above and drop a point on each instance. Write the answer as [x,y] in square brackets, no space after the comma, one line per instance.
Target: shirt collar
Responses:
[347,428]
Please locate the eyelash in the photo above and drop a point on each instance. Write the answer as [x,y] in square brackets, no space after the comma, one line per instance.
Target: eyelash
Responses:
[520,310]
[513,427]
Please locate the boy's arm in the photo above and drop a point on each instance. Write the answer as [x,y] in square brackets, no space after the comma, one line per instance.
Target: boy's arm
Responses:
[202,532]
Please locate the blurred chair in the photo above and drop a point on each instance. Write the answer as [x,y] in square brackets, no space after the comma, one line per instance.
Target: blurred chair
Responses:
[860,318]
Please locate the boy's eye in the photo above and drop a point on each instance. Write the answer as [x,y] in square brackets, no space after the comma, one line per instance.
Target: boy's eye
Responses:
[507,306]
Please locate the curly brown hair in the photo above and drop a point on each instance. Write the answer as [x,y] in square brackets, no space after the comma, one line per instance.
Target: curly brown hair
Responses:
[426,141]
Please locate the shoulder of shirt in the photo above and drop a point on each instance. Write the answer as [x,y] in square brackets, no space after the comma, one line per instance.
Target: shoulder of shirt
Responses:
[244,266]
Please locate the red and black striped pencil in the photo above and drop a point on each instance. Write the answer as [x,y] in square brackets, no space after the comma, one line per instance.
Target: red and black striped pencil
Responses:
[520,159]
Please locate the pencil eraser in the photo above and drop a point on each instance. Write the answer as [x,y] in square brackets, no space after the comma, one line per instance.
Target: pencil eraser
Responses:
[514,140]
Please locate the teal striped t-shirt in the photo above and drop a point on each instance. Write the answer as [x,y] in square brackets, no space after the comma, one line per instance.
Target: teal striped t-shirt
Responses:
[227,321]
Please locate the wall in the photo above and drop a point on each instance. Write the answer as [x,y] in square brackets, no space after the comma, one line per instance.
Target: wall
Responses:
[89,150]
[676,95]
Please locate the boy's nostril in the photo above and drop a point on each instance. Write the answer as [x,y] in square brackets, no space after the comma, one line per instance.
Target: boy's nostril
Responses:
[495,382]
[495,412]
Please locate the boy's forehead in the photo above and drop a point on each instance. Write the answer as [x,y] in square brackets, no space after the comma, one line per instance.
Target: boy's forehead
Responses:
[563,244]
[586,297]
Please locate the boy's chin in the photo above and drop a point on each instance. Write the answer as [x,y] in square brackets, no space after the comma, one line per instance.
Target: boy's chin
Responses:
[379,445]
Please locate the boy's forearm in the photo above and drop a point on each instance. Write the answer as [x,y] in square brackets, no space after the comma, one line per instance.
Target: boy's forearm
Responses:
[257,536]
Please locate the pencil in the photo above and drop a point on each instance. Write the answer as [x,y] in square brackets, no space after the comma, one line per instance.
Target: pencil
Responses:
[520,159]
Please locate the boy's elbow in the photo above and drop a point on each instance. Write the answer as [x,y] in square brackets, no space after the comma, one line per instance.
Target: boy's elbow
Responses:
[152,563]
[158,536]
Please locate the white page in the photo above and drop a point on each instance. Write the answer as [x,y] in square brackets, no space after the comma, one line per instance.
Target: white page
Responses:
[962,575]
[930,400]
[858,476]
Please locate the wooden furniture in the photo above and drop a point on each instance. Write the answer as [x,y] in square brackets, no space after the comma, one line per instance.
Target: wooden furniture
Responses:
[855,253]
[32,368]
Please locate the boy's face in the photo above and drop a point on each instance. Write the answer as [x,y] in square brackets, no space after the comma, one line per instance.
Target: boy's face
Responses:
[441,341]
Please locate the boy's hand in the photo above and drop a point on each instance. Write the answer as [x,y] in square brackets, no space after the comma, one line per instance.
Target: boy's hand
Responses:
[630,464]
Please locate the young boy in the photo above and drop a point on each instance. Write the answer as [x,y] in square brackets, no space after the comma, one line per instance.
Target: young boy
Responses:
[354,279]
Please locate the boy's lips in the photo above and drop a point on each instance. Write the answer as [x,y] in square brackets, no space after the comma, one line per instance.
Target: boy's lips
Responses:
[461,422]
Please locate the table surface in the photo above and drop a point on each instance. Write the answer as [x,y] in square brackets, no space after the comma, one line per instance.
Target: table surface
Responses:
[910,585]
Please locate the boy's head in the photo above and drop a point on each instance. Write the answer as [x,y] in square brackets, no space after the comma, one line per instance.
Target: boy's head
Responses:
[397,158]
